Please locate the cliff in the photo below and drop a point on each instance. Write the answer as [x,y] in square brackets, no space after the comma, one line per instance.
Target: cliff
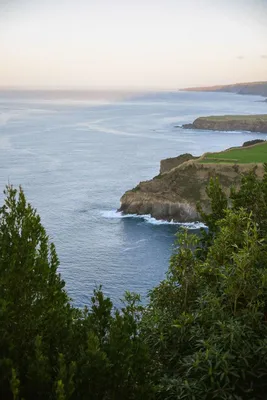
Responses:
[170,163]
[174,194]
[248,88]
[252,123]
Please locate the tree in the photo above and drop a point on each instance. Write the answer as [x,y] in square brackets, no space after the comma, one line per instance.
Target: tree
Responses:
[206,323]
[49,349]
[202,335]
[252,196]
[35,309]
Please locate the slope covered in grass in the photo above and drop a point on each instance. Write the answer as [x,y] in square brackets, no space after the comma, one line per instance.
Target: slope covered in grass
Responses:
[242,155]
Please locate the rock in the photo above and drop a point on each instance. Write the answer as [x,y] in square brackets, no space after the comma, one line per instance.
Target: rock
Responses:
[170,163]
[251,123]
[175,194]
[188,126]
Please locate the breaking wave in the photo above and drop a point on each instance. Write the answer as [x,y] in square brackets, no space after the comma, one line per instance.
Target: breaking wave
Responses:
[113,214]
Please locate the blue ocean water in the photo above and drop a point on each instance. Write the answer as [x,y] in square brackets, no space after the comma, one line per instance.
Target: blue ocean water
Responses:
[75,154]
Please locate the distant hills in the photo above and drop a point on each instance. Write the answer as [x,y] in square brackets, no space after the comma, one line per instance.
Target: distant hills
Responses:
[251,88]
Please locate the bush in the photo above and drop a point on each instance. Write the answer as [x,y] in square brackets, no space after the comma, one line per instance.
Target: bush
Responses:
[206,323]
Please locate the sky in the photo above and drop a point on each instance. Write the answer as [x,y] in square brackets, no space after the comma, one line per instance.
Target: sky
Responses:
[132,44]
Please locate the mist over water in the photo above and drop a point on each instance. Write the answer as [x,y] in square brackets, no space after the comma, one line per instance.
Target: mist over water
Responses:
[75,154]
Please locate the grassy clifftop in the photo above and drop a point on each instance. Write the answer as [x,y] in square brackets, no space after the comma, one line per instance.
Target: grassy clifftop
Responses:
[238,155]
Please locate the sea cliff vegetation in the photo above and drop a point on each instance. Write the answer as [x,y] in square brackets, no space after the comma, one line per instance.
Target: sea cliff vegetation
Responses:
[202,334]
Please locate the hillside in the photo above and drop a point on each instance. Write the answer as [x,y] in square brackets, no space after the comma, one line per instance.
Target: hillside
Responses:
[173,195]
[251,123]
[250,88]
[239,155]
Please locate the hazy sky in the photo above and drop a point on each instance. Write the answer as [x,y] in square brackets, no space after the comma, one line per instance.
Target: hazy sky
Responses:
[132,43]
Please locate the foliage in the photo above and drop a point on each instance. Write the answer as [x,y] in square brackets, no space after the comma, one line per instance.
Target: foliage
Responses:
[207,321]
[201,336]
[49,349]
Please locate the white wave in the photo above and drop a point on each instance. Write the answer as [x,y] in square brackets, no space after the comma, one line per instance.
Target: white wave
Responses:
[103,129]
[85,126]
[113,214]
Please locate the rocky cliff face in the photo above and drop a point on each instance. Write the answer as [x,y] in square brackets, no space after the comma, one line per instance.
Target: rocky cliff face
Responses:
[174,194]
[170,163]
[246,123]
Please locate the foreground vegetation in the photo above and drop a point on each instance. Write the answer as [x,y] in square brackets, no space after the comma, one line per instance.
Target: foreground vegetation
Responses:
[239,155]
[203,334]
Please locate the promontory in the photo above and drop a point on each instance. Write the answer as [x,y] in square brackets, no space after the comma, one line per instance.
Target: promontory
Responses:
[248,88]
[182,182]
[251,123]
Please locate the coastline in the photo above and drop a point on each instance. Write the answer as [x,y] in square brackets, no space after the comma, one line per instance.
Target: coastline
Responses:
[249,123]
[175,193]
[247,88]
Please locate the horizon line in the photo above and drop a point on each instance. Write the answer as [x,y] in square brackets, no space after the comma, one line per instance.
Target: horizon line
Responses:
[119,88]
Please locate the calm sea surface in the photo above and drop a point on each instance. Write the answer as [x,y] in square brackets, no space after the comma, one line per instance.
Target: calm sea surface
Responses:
[75,154]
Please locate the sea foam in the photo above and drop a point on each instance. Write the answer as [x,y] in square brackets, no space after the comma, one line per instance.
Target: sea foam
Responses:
[113,214]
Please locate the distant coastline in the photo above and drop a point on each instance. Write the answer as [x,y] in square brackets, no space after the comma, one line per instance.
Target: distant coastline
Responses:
[180,186]
[250,123]
[248,88]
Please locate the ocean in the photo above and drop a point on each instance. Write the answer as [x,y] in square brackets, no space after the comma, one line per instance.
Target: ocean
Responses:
[76,153]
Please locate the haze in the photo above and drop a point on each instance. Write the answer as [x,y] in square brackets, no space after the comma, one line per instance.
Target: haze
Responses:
[163,44]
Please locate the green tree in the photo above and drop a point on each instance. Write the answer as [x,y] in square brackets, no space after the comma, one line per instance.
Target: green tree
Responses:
[114,360]
[49,349]
[202,335]
[218,204]
[33,302]
[206,323]
[252,196]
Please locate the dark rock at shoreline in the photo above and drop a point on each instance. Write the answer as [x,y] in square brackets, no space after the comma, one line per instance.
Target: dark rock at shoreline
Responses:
[188,126]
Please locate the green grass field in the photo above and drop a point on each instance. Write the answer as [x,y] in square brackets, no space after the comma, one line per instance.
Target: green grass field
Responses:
[242,155]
